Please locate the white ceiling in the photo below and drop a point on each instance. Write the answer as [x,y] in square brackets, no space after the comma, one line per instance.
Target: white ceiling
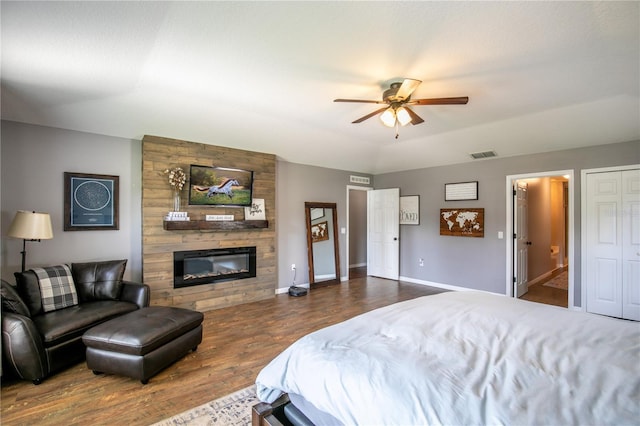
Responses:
[262,76]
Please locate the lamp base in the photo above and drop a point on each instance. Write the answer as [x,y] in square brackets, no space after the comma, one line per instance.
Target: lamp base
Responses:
[24,254]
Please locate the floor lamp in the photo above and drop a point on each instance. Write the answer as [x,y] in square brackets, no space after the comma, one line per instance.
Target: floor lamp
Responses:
[30,226]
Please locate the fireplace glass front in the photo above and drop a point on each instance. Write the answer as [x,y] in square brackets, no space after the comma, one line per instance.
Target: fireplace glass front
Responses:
[195,267]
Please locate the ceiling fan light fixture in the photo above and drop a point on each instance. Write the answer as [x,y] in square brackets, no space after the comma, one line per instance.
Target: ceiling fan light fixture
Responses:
[395,114]
[403,116]
[388,117]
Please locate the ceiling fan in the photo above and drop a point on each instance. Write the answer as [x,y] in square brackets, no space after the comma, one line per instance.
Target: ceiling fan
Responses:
[397,100]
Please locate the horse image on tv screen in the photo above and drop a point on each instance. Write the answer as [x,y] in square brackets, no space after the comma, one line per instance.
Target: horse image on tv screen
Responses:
[220,186]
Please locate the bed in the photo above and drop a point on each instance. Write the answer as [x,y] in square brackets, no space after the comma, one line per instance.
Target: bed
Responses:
[459,358]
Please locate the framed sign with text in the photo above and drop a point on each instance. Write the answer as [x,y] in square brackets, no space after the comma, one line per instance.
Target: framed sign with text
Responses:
[90,202]
[410,210]
[461,191]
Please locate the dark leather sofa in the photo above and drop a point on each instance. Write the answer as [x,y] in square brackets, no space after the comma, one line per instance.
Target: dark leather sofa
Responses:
[35,343]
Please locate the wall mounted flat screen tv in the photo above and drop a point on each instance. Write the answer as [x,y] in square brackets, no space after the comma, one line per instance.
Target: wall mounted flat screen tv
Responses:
[220,186]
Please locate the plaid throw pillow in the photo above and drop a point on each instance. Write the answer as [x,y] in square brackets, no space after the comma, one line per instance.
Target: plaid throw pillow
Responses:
[57,289]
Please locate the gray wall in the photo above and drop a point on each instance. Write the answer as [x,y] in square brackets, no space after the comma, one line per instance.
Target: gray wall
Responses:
[34,159]
[480,263]
[295,184]
[539,217]
[357,228]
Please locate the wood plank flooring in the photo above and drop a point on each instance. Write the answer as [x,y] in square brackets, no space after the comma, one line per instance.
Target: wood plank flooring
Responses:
[238,342]
[547,295]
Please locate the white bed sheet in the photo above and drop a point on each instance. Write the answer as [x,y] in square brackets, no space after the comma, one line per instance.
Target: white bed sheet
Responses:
[464,358]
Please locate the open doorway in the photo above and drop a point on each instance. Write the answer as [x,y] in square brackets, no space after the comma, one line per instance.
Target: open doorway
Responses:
[539,217]
[357,231]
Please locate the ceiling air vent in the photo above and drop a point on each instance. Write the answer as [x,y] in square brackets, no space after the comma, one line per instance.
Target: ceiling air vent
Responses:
[485,154]
[359,179]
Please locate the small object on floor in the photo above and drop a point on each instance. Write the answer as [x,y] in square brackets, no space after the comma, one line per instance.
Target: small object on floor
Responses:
[297,291]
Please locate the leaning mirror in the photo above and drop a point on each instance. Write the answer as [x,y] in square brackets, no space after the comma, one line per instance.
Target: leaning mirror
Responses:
[322,243]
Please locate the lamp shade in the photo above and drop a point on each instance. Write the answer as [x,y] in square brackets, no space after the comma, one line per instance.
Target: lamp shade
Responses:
[31,226]
[388,117]
[403,116]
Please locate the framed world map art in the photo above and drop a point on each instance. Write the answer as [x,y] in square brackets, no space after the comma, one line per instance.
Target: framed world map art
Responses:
[319,232]
[462,222]
[90,202]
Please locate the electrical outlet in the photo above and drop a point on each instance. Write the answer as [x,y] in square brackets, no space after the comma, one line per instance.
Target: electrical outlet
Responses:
[421,261]
[293,266]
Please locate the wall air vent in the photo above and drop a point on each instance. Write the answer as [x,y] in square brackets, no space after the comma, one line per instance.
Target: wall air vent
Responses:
[485,154]
[359,179]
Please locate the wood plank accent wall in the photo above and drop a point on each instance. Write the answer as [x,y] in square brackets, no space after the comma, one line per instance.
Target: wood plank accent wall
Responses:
[158,244]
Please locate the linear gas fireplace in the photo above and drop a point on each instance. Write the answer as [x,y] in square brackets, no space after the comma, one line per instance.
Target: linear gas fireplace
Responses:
[195,267]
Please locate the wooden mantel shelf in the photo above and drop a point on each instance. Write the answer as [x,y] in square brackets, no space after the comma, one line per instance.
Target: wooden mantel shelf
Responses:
[211,225]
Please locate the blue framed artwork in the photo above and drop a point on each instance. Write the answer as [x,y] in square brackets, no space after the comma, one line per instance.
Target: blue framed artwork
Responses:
[90,202]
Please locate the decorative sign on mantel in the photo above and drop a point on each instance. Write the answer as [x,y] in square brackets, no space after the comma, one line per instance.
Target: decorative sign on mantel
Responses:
[177,216]
[256,211]
[218,217]
[461,191]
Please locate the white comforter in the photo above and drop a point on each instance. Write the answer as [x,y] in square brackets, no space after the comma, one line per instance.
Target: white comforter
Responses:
[466,358]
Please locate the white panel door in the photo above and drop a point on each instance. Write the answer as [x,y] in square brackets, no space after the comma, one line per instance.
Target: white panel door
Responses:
[631,244]
[383,230]
[521,246]
[604,241]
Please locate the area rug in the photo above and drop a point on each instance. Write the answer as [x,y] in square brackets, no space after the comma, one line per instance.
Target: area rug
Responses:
[231,410]
[559,281]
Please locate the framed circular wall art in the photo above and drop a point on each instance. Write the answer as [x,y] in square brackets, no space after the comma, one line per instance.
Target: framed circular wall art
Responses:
[90,202]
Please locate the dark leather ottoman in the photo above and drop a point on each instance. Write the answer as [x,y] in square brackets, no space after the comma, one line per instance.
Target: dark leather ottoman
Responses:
[141,343]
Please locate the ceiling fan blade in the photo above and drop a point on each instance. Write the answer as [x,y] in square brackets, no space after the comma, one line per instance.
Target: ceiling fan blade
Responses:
[415,119]
[361,119]
[359,100]
[462,100]
[407,88]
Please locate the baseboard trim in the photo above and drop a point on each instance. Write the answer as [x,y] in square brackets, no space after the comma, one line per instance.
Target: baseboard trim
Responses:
[546,276]
[540,278]
[445,286]
[281,290]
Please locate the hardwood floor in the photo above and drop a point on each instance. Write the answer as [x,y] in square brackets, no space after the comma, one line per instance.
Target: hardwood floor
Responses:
[238,342]
[547,295]
[357,272]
